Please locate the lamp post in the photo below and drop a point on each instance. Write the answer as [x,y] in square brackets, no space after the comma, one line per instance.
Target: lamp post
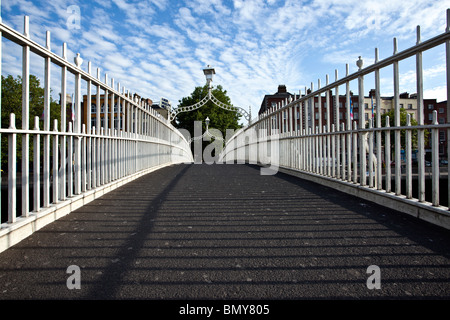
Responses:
[207,123]
[209,71]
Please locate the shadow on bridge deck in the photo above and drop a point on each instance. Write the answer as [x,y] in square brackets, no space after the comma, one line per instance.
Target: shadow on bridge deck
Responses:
[226,232]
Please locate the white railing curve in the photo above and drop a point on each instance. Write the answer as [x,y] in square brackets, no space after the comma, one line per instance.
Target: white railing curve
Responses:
[74,162]
[350,156]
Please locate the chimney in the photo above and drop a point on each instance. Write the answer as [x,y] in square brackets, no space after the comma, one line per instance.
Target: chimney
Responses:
[282,88]
[404,95]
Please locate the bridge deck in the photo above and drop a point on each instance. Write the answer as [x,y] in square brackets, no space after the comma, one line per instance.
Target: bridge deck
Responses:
[226,232]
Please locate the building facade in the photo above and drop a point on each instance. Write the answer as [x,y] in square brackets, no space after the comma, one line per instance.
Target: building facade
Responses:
[285,122]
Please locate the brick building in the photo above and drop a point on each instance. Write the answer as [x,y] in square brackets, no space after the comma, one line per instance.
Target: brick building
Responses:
[406,101]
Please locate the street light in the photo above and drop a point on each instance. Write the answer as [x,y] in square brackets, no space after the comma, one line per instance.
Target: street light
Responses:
[209,71]
[207,123]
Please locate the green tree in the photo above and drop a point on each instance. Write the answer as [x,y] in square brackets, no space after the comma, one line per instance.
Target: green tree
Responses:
[12,103]
[403,120]
[220,119]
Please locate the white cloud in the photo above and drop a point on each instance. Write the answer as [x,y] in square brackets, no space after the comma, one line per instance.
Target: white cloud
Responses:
[438,93]
[159,47]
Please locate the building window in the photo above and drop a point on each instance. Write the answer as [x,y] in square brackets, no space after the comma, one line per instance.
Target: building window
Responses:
[430,107]
[430,116]
[93,108]
[441,110]
[441,135]
[410,106]
[366,105]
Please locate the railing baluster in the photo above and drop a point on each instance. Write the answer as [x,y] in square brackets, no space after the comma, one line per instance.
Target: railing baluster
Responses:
[361,119]
[337,128]
[379,176]
[12,167]
[420,121]
[36,167]
[63,146]
[93,158]
[105,109]
[46,137]
[113,106]
[55,172]
[355,152]
[387,152]
[25,122]
[83,159]
[397,133]
[70,166]
[328,126]
[349,126]
[88,124]
[435,161]
[98,105]
[77,128]
[102,161]
[333,151]
[408,158]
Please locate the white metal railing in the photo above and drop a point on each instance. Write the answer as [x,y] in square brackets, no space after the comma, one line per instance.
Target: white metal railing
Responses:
[76,156]
[345,152]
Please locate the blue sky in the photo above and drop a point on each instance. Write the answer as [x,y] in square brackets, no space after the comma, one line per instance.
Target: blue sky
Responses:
[158,48]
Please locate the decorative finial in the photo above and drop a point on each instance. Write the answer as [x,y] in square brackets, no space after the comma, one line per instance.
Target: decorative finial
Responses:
[78,60]
[359,63]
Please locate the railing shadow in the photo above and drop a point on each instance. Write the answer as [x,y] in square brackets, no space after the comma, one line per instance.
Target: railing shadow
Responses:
[226,232]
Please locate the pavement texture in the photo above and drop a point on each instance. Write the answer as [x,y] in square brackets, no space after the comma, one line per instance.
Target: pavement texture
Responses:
[227,232]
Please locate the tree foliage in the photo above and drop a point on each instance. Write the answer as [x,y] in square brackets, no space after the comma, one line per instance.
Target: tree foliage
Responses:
[220,119]
[403,122]
[12,103]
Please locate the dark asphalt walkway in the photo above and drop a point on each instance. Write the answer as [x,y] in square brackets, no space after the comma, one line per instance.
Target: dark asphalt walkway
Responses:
[226,232]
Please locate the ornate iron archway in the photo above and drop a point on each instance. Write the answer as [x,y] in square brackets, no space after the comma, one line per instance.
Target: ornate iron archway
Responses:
[209,71]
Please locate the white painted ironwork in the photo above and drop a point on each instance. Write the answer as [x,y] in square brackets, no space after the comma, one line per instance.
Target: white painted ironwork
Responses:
[352,157]
[209,71]
[79,161]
